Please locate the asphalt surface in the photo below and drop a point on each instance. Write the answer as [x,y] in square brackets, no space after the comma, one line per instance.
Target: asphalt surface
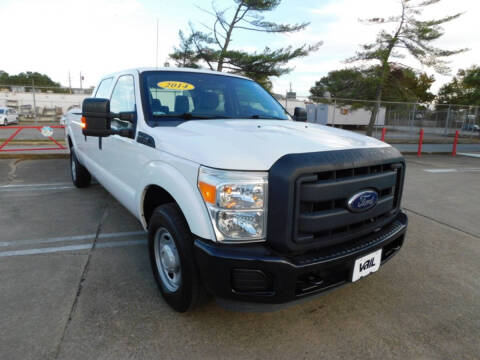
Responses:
[62,298]
[31,134]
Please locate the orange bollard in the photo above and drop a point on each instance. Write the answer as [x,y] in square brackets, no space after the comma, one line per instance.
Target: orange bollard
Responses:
[420,141]
[384,130]
[455,142]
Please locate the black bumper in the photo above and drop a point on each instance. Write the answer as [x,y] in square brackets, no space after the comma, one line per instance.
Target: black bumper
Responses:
[259,274]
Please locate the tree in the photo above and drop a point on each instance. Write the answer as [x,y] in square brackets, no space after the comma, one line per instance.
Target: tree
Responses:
[214,47]
[411,36]
[464,89]
[184,55]
[25,79]
[402,84]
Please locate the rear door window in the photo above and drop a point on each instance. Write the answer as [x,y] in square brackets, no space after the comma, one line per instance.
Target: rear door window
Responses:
[103,91]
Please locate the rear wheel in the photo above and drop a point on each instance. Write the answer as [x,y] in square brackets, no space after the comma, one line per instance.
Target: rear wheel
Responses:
[80,176]
[171,257]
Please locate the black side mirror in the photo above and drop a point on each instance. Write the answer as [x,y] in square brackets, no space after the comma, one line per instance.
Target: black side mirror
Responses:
[300,114]
[96,118]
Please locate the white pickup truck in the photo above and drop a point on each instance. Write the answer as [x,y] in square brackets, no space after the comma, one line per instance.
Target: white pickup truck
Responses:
[240,201]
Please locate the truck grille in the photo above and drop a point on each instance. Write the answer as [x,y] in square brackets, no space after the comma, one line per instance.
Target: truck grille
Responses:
[321,213]
[308,194]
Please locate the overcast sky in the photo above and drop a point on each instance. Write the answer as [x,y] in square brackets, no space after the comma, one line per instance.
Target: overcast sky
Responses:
[102,36]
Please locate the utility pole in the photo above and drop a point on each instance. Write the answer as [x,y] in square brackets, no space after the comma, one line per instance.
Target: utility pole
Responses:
[69,82]
[81,79]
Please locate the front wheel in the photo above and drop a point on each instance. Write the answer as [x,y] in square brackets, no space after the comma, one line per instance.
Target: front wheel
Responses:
[171,257]
[80,176]
[5,122]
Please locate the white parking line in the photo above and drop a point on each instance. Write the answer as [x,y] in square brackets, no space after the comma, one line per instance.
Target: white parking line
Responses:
[470,154]
[71,248]
[30,185]
[452,170]
[36,187]
[72,238]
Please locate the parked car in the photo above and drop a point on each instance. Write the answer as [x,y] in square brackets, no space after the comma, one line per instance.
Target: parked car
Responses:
[240,201]
[470,127]
[8,116]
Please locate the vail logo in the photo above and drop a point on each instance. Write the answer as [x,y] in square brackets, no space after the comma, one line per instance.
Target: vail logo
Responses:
[367,264]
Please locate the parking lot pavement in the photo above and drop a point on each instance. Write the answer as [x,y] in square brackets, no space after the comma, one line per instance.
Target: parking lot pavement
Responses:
[445,188]
[63,298]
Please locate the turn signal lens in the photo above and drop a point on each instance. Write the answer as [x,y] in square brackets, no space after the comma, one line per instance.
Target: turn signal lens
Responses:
[84,122]
[209,192]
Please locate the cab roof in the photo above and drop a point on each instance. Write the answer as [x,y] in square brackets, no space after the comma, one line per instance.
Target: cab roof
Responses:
[202,71]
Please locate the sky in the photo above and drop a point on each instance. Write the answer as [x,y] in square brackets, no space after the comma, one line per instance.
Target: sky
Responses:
[97,37]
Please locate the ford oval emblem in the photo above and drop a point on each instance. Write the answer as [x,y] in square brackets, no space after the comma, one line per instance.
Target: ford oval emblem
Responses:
[363,201]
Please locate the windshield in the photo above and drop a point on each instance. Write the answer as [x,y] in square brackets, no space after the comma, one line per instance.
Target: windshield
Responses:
[177,95]
[1,111]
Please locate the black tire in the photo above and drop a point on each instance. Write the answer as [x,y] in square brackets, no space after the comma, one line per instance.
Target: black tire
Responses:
[5,122]
[189,292]
[80,176]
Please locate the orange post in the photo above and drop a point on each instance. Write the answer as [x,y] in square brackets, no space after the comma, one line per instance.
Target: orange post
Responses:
[384,131]
[420,141]
[455,142]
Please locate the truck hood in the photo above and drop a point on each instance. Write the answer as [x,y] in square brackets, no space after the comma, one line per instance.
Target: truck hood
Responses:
[253,144]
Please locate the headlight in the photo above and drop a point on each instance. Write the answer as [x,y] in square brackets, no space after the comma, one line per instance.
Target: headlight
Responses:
[236,202]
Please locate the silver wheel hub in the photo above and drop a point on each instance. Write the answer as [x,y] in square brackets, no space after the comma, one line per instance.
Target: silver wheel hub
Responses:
[167,260]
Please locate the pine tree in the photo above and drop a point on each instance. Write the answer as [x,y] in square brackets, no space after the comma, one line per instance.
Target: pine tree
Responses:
[411,36]
[214,47]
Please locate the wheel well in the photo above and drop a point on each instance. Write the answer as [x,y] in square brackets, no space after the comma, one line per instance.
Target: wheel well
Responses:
[154,197]
[70,145]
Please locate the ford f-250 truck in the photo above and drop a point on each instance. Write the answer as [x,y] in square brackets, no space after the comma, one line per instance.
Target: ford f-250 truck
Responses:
[240,201]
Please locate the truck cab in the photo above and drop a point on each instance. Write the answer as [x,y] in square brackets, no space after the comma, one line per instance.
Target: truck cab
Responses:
[240,201]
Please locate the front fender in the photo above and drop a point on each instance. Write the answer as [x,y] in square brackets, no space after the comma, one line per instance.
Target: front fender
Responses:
[182,186]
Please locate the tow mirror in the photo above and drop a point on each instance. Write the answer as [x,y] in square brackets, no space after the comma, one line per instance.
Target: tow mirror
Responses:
[96,118]
[300,114]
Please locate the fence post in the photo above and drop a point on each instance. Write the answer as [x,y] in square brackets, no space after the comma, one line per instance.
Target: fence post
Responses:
[420,141]
[334,109]
[447,121]
[474,122]
[384,130]
[34,102]
[412,125]
[455,142]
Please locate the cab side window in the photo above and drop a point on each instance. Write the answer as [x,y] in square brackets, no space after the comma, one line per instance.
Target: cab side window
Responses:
[103,90]
[123,100]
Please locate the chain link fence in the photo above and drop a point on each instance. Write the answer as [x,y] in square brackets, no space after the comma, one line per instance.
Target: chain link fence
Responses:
[402,121]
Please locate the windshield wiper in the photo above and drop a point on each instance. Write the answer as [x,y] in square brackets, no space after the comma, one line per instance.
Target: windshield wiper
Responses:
[264,117]
[187,116]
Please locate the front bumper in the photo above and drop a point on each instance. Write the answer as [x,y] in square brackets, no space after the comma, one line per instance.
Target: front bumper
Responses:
[258,274]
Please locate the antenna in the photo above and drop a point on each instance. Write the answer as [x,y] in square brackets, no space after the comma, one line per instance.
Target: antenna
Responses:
[156,55]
